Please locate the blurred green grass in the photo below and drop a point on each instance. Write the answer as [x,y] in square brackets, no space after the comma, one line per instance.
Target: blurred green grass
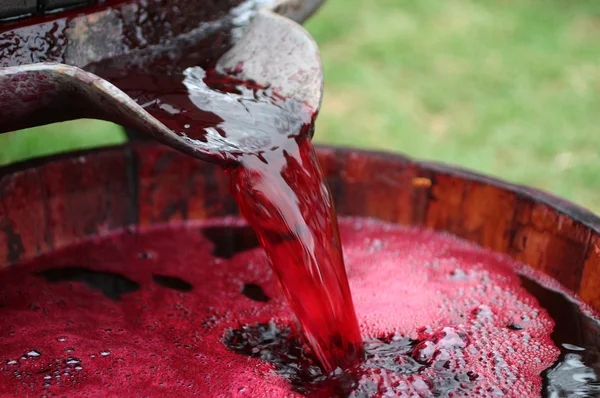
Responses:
[508,88]
[58,137]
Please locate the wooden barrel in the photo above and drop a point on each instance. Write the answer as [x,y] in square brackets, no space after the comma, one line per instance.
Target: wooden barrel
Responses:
[53,202]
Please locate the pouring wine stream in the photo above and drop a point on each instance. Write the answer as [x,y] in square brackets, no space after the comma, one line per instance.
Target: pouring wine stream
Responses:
[254,115]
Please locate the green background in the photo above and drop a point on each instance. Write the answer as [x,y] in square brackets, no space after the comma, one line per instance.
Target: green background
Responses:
[507,88]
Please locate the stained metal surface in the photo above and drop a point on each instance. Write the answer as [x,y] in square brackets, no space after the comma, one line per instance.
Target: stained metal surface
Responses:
[17,8]
[49,92]
[275,51]
[133,28]
[143,29]
[279,53]
[297,10]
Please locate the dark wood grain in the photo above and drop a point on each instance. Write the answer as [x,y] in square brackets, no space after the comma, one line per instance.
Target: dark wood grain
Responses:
[590,279]
[446,197]
[550,241]
[85,195]
[172,187]
[487,215]
[24,229]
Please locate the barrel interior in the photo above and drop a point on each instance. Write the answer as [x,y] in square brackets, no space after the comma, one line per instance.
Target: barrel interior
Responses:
[53,202]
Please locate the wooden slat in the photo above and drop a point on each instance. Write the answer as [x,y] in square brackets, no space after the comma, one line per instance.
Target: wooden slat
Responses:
[445,203]
[24,229]
[377,186]
[86,195]
[589,290]
[487,215]
[173,187]
[550,241]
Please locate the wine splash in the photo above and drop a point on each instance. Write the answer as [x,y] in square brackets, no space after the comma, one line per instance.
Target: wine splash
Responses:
[280,191]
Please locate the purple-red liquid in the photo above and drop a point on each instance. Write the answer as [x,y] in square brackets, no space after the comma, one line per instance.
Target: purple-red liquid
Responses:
[196,308]
[284,197]
[279,188]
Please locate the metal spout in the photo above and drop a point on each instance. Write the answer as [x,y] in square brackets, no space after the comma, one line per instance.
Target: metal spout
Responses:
[273,50]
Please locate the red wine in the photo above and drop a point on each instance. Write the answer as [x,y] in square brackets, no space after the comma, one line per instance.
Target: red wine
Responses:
[284,197]
[279,188]
[196,308]
[169,311]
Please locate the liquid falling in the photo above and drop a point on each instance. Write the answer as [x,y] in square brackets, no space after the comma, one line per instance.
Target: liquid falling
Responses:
[279,188]
[284,197]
